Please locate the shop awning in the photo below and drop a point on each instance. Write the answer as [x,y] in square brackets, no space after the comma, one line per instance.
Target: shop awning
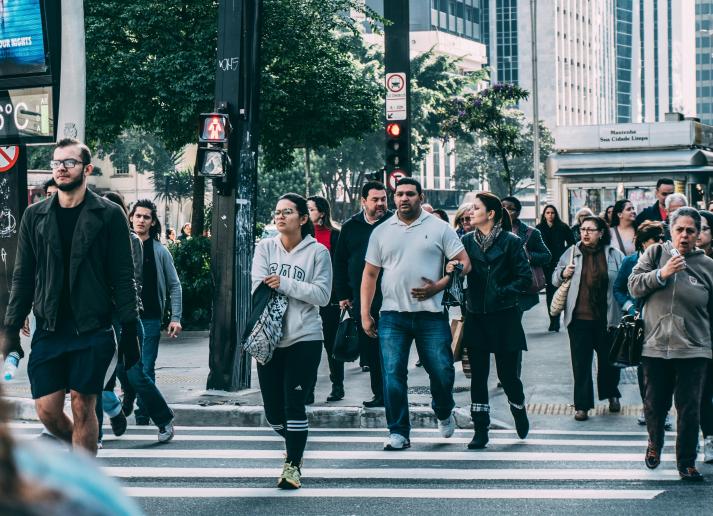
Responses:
[683,161]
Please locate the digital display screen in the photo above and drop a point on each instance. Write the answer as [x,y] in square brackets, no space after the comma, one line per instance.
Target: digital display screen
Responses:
[27,113]
[22,42]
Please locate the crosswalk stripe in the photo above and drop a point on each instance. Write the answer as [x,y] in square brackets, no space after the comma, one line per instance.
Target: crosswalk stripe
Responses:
[413,455]
[379,439]
[423,473]
[463,494]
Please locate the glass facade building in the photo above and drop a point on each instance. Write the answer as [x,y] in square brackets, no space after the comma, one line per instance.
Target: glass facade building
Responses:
[704,63]
[624,54]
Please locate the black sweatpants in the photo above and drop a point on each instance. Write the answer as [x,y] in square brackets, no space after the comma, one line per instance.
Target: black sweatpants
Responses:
[506,363]
[586,337]
[330,323]
[285,382]
[683,380]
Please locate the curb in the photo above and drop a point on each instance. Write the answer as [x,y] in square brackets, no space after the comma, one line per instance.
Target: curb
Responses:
[254,416]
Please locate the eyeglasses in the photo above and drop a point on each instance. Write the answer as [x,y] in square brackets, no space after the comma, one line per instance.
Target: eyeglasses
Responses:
[285,213]
[67,163]
[588,230]
[465,219]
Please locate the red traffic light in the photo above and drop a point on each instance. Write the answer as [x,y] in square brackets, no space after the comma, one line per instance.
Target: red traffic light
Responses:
[215,128]
[393,130]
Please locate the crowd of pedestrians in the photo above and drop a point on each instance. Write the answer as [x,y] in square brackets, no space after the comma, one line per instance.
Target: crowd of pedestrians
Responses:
[99,281]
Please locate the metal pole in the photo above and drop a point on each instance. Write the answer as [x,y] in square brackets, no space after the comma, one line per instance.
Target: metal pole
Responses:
[535,110]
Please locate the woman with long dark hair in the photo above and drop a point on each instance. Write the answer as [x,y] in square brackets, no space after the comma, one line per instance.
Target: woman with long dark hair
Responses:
[590,312]
[623,226]
[557,237]
[327,234]
[294,264]
[500,274]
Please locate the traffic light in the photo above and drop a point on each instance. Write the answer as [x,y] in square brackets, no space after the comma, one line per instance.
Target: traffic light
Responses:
[213,139]
[396,146]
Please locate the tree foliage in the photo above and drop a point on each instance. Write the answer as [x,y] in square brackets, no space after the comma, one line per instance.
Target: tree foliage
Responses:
[487,116]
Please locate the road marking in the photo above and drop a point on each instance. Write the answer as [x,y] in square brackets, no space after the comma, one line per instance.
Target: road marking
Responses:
[391,473]
[465,494]
[414,455]
[378,439]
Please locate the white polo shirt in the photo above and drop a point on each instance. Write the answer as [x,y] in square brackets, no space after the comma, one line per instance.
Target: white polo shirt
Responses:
[408,253]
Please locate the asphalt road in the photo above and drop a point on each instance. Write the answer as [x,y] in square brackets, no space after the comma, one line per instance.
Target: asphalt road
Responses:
[563,467]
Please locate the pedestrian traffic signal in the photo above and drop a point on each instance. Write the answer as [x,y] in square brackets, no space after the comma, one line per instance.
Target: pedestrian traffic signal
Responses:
[396,148]
[212,159]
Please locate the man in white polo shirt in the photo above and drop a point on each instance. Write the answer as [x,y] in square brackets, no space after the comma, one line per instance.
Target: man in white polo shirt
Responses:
[411,249]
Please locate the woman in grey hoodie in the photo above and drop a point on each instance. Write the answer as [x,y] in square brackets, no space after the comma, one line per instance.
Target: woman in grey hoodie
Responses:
[676,282]
[296,265]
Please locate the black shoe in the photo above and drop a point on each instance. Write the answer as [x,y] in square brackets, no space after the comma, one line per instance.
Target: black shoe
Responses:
[481,423]
[127,405]
[310,398]
[142,421]
[690,475]
[522,424]
[365,369]
[337,393]
[375,402]
[653,457]
[118,424]
[614,405]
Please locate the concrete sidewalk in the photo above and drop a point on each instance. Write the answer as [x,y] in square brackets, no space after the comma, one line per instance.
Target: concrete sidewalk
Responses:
[182,370]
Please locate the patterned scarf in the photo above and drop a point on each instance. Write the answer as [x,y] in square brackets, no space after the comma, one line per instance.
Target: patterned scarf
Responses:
[485,242]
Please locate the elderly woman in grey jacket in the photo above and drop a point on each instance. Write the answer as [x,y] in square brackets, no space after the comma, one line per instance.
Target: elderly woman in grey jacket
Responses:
[590,312]
[676,280]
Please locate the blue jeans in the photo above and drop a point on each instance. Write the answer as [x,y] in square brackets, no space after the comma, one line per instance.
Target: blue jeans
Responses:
[149,348]
[433,342]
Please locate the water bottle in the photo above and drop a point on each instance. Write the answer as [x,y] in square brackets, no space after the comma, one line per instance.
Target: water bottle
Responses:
[10,367]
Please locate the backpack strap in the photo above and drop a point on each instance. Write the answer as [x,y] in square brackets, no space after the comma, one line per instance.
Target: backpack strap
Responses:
[621,242]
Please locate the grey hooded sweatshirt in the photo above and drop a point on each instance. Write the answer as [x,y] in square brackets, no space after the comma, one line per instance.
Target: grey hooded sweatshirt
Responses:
[677,312]
[305,278]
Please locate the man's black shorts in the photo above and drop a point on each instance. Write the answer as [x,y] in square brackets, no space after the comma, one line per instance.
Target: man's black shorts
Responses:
[62,360]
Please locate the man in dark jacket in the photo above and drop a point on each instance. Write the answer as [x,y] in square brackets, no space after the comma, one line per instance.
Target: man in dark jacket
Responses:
[664,188]
[74,269]
[348,269]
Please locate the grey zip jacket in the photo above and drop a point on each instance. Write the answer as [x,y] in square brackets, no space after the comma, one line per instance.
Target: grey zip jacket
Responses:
[677,312]
[305,278]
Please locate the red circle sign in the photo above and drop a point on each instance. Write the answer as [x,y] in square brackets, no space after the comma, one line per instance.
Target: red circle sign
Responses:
[8,157]
[395,82]
[394,177]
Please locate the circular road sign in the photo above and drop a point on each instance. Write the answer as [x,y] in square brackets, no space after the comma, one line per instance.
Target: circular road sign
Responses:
[8,157]
[394,177]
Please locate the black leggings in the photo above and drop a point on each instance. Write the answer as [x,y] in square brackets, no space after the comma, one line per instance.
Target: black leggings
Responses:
[506,363]
[285,382]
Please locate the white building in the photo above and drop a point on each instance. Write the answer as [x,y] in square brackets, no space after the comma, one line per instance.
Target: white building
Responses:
[704,60]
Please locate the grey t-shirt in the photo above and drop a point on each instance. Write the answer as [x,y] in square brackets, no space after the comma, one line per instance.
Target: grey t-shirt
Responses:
[408,253]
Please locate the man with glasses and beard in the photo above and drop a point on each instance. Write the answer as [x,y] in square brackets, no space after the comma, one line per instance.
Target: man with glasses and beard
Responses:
[75,271]
[348,269]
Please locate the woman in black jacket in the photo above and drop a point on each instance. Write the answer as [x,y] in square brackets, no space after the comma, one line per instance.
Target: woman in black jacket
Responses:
[493,324]
[558,237]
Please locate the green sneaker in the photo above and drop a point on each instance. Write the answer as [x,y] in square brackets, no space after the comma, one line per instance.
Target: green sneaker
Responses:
[290,478]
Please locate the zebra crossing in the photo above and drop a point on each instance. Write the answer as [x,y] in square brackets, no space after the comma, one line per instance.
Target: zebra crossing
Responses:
[560,466]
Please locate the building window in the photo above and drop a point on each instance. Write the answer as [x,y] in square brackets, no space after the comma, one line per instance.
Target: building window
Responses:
[436,164]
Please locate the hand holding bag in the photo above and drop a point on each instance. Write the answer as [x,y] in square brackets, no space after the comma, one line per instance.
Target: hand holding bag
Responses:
[559,299]
[264,329]
[346,342]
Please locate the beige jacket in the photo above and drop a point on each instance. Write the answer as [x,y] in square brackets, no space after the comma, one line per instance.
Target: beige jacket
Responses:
[677,312]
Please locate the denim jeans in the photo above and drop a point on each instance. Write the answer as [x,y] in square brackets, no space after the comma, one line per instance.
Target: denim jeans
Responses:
[149,348]
[433,342]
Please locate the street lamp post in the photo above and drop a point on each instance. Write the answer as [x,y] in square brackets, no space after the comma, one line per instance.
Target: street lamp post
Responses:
[535,110]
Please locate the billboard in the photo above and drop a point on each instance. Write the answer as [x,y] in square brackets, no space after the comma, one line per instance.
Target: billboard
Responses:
[22,38]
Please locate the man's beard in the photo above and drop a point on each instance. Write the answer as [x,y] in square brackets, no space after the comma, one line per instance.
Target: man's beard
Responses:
[68,187]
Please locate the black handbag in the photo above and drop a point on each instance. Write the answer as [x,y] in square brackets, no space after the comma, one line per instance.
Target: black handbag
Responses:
[454,295]
[628,342]
[346,342]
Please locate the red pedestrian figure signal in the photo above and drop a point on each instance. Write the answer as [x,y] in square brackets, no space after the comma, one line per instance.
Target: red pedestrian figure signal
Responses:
[214,128]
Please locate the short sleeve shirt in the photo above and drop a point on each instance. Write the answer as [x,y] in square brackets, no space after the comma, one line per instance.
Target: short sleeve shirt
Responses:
[408,253]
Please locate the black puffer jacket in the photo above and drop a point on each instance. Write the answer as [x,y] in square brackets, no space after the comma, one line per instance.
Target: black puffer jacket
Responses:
[498,277]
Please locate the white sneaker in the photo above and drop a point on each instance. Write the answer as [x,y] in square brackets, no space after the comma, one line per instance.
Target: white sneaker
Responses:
[396,442]
[447,426]
[641,419]
[166,433]
[708,449]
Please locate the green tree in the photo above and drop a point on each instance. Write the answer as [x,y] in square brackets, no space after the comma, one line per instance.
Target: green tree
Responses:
[474,164]
[488,116]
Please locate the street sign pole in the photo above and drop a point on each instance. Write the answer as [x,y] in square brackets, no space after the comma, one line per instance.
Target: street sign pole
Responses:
[397,66]
[236,94]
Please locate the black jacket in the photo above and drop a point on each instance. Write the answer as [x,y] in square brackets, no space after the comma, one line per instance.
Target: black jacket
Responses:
[101,269]
[557,239]
[650,213]
[499,277]
[349,258]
